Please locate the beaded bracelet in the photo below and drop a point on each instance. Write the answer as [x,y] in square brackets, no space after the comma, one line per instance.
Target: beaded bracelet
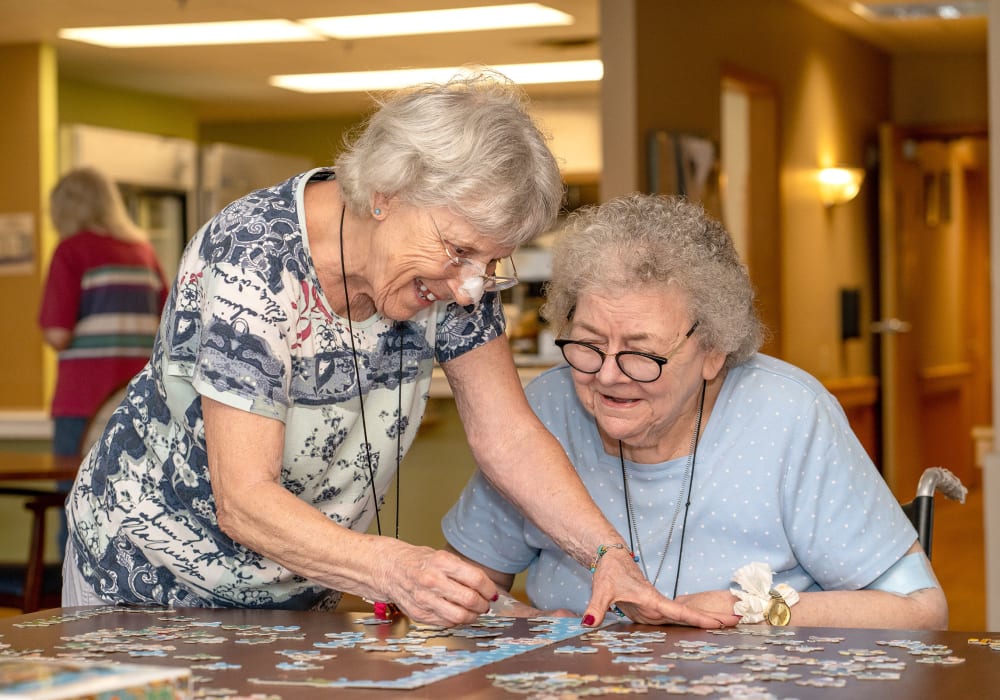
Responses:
[604,549]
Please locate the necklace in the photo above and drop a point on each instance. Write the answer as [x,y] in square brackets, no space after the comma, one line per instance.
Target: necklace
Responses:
[361,399]
[684,494]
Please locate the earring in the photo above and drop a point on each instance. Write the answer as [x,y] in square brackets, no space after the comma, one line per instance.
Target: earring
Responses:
[377,212]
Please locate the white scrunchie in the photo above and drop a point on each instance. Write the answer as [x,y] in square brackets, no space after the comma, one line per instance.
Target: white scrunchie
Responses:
[755,580]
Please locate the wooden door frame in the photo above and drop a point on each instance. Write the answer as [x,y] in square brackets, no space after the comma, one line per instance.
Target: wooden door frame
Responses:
[762,200]
[899,395]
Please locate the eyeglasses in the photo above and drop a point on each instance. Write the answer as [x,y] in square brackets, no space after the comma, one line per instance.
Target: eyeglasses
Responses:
[639,366]
[472,269]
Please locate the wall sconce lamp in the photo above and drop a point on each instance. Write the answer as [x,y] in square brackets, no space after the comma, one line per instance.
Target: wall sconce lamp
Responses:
[839,185]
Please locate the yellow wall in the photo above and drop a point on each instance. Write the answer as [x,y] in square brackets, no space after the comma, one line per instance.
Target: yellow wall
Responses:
[317,139]
[27,83]
[96,105]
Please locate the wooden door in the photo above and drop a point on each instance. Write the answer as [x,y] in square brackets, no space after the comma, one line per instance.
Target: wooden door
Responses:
[934,299]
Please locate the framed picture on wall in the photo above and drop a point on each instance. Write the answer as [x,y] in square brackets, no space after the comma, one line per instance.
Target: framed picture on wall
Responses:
[685,164]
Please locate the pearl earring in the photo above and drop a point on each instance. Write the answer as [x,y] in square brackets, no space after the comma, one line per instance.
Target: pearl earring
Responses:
[377,212]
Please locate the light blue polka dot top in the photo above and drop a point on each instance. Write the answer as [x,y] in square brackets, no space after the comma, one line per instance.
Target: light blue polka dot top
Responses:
[779,478]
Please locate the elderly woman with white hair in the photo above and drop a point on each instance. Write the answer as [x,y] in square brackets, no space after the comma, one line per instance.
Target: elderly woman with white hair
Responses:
[291,373]
[733,476]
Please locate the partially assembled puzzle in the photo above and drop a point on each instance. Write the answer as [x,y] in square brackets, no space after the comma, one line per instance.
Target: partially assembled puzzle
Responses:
[357,651]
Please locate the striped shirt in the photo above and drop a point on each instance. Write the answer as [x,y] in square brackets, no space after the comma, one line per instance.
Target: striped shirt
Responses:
[109,293]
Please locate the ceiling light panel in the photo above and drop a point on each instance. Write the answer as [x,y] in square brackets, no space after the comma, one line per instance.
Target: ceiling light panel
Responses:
[364,81]
[465,19]
[193,34]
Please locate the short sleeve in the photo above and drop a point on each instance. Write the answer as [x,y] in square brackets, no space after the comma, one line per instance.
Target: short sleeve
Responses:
[846,526]
[487,528]
[61,299]
[227,337]
[243,286]
[462,329]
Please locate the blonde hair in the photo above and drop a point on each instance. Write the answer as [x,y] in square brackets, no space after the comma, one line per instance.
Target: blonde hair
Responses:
[469,145]
[85,200]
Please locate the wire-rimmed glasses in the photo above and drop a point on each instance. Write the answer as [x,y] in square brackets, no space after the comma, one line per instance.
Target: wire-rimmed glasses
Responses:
[636,365]
[471,268]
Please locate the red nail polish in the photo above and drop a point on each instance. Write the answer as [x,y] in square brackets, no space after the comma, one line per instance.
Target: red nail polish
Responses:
[588,620]
[495,598]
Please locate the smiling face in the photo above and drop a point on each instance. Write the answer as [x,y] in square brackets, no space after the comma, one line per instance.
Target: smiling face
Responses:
[652,419]
[420,247]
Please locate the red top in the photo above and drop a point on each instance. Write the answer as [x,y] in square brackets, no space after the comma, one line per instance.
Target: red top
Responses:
[110,294]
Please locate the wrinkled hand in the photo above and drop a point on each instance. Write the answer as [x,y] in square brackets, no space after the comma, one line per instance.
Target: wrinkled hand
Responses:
[718,604]
[435,587]
[618,580]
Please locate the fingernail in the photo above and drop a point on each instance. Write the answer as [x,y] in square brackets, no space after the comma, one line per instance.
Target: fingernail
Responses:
[495,598]
[588,620]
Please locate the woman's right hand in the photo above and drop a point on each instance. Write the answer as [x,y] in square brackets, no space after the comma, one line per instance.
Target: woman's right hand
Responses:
[433,586]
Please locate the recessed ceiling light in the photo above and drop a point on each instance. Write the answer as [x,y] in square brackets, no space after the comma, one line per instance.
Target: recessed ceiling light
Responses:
[193,34]
[462,19]
[522,73]
[920,10]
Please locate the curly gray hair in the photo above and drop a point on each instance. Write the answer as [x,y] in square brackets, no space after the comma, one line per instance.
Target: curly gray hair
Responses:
[468,145]
[658,241]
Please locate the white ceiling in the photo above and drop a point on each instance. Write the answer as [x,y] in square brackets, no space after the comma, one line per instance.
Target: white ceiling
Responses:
[230,82]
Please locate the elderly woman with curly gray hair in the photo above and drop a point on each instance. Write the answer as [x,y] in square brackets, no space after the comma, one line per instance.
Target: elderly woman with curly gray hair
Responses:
[291,372]
[733,477]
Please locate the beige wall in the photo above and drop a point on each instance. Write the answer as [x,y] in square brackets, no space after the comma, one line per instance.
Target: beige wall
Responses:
[573,126]
[682,52]
[934,89]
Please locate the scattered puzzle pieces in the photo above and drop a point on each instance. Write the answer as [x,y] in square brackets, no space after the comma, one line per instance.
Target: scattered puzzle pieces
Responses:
[743,662]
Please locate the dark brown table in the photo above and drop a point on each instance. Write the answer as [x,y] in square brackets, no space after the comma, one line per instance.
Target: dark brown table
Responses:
[32,466]
[255,642]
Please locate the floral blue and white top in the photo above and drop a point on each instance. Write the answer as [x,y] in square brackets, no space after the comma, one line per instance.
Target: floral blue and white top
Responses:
[248,325]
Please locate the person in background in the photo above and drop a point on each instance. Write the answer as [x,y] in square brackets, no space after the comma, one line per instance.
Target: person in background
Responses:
[291,373]
[101,303]
[735,477]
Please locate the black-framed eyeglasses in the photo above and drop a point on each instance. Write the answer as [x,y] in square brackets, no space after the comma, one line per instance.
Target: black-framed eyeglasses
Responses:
[639,366]
[471,268]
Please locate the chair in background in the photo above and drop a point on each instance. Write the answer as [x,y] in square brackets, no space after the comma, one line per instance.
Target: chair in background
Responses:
[36,585]
[920,510]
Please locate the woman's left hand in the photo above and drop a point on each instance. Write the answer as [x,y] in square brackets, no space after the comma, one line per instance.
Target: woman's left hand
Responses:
[619,581]
[718,604]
